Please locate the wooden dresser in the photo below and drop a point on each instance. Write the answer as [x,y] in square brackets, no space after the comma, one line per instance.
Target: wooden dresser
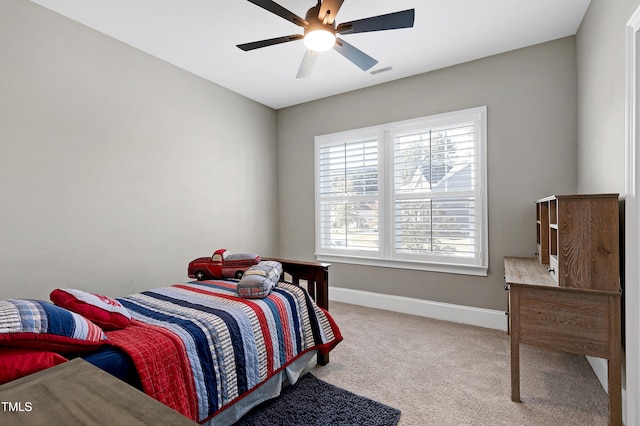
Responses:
[77,393]
[567,298]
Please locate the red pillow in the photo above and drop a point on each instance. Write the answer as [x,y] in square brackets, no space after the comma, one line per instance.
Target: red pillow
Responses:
[19,362]
[104,311]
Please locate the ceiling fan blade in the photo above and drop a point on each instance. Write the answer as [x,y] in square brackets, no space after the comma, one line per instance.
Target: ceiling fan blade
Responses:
[306,67]
[354,54]
[269,42]
[276,9]
[329,9]
[390,21]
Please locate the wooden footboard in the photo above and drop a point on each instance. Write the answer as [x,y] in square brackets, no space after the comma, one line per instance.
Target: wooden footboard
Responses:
[316,275]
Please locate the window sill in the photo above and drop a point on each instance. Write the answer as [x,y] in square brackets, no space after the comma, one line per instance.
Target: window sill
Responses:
[480,271]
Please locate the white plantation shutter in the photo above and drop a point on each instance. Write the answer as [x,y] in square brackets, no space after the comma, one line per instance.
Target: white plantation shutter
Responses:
[409,194]
[348,188]
[435,176]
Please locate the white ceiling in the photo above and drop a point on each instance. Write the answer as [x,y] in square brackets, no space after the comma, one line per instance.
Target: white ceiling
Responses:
[200,36]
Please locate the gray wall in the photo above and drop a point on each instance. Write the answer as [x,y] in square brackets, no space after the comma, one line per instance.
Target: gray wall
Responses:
[530,96]
[601,55]
[116,168]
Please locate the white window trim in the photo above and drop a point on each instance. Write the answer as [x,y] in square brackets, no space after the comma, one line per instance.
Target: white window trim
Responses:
[385,168]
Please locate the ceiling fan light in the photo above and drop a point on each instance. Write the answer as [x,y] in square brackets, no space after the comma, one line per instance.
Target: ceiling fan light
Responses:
[319,40]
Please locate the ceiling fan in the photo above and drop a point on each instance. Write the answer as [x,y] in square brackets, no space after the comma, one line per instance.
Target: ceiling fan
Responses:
[320,32]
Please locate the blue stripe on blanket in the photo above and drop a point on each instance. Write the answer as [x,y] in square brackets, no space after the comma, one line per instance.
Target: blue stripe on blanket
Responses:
[245,317]
[60,322]
[294,316]
[140,304]
[282,354]
[199,338]
[232,324]
[315,325]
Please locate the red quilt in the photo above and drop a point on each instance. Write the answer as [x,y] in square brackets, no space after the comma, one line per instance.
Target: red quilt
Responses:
[162,367]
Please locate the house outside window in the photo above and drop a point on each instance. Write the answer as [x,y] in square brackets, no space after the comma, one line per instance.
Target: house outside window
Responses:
[409,194]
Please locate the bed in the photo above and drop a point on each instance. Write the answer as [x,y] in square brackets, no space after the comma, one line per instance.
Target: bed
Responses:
[211,355]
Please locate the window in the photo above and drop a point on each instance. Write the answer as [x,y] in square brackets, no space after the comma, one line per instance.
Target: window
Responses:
[410,194]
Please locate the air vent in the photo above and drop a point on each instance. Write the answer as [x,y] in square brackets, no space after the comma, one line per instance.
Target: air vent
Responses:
[381,70]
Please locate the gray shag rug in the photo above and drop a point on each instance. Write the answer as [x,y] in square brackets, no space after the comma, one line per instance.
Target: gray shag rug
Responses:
[312,401]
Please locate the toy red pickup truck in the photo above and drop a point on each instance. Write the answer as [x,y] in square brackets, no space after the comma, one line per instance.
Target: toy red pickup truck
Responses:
[221,265]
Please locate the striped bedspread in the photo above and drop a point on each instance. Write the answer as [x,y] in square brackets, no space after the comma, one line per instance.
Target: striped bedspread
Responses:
[217,345]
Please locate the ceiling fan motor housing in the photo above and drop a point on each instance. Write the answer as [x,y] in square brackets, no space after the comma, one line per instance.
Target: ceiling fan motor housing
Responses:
[315,23]
[326,33]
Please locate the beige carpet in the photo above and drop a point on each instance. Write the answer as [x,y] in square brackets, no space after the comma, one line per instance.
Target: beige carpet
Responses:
[442,373]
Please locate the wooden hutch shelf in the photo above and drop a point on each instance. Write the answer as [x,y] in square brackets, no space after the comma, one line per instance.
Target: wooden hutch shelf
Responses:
[567,298]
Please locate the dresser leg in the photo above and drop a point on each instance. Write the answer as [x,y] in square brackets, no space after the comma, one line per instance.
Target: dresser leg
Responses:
[515,372]
[614,367]
[514,317]
[615,393]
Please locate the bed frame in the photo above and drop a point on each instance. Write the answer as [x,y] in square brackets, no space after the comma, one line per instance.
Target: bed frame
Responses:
[316,276]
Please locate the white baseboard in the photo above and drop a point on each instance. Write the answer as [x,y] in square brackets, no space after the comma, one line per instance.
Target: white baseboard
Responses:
[443,311]
[601,368]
